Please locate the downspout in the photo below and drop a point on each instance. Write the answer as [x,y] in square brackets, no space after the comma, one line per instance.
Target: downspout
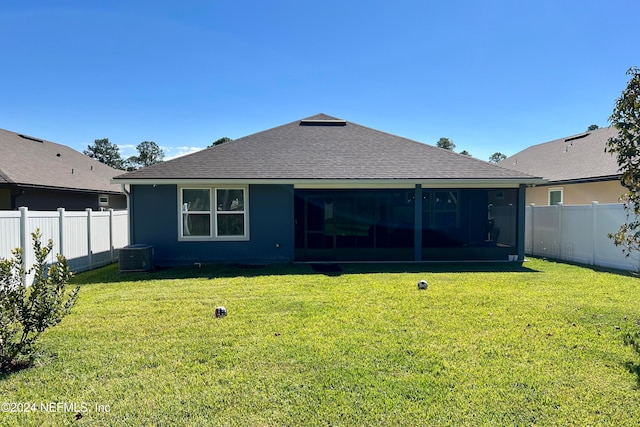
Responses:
[127,193]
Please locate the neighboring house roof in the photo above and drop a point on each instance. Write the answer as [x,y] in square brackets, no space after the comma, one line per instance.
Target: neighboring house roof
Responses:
[26,161]
[576,158]
[324,148]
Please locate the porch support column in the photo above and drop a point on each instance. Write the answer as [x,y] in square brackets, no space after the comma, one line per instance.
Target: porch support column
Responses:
[417,230]
[520,228]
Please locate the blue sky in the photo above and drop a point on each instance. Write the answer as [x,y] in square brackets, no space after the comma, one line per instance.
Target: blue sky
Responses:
[491,75]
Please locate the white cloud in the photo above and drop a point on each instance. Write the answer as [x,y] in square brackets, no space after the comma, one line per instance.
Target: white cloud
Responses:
[127,150]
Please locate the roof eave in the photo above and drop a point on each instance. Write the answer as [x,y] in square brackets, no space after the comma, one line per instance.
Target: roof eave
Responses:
[55,188]
[585,180]
[310,183]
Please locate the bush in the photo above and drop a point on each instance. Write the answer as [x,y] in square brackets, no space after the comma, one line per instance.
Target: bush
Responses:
[27,311]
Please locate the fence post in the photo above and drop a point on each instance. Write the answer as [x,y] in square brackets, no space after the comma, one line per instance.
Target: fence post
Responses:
[111,251]
[61,230]
[594,226]
[24,216]
[560,206]
[89,257]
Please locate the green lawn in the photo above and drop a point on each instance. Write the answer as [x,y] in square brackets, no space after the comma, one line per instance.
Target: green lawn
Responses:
[492,344]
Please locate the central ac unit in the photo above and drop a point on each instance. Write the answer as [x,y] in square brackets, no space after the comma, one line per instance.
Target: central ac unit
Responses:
[136,258]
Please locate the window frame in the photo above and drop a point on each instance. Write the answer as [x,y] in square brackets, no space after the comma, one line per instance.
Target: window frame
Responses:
[213,213]
[103,200]
[553,190]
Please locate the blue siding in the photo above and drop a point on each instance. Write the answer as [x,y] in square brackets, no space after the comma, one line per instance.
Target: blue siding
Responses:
[154,221]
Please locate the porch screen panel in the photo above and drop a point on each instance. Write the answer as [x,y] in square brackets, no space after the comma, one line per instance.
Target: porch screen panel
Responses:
[441,218]
[355,218]
[319,222]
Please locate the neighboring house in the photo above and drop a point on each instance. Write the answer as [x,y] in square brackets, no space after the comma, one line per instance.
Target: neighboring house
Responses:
[43,175]
[577,167]
[324,189]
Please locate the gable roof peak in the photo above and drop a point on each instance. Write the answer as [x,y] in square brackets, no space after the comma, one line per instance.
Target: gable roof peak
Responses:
[320,116]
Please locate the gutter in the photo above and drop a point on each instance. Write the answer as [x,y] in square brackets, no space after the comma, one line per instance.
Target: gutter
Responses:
[585,180]
[352,183]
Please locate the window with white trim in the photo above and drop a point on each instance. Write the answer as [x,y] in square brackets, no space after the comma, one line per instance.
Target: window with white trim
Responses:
[555,196]
[213,213]
[103,200]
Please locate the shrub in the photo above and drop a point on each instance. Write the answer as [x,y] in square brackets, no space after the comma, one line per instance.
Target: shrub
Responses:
[27,311]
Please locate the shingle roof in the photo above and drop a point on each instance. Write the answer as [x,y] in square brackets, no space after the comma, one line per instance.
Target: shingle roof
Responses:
[33,162]
[580,157]
[322,147]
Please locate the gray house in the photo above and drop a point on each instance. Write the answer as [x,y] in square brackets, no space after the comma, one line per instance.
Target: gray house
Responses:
[43,175]
[578,169]
[324,189]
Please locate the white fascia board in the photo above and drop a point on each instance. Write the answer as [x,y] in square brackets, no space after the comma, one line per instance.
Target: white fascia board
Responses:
[348,183]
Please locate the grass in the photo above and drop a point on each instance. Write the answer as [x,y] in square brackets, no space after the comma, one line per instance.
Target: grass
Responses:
[491,344]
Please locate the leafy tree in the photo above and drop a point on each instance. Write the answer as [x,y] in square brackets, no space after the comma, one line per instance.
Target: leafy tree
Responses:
[149,153]
[446,143]
[105,152]
[27,311]
[221,141]
[497,157]
[626,147]
[593,127]
[466,153]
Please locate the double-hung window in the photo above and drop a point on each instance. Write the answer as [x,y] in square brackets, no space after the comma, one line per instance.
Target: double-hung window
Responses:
[213,213]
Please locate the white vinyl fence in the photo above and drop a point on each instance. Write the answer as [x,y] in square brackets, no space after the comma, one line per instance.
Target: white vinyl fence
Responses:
[578,233]
[88,239]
